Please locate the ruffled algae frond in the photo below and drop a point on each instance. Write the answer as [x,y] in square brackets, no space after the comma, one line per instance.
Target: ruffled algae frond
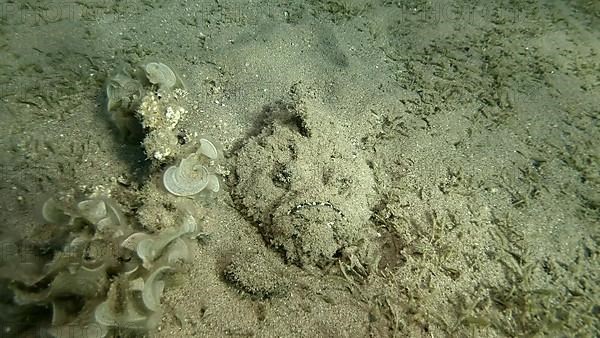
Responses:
[107,275]
[101,270]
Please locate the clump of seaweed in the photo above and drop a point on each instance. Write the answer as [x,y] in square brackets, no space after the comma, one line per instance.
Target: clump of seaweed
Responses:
[92,267]
[192,176]
[106,276]
[128,93]
[162,76]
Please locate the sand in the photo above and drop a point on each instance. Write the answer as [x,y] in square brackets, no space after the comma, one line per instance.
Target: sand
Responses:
[474,206]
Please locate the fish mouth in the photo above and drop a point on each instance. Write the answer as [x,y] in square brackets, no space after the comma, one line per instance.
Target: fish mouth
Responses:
[308,232]
[317,205]
[311,211]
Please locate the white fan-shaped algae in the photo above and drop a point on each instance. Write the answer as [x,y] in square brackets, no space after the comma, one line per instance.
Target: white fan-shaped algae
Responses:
[53,213]
[94,210]
[213,184]
[208,149]
[161,75]
[188,178]
[153,288]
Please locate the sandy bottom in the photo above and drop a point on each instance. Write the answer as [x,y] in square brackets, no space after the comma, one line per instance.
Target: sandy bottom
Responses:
[392,168]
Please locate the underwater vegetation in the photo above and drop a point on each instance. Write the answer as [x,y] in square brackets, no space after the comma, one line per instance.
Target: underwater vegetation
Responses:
[162,76]
[126,90]
[192,175]
[107,275]
[95,270]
